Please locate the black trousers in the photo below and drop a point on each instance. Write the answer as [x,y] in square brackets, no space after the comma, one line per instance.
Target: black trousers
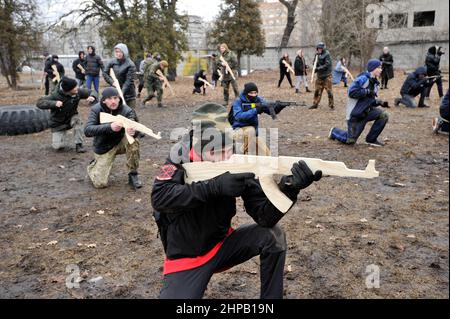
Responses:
[287,75]
[384,79]
[439,87]
[243,244]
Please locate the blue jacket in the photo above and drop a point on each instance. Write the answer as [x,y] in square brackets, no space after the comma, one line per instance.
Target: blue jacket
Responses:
[338,73]
[359,101]
[247,117]
[412,83]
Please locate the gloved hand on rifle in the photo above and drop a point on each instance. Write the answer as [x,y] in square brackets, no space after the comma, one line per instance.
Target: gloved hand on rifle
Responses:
[231,185]
[302,177]
[260,108]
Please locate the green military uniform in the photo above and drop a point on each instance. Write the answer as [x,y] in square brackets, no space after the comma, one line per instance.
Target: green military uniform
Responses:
[227,79]
[100,168]
[154,84]
[324,79]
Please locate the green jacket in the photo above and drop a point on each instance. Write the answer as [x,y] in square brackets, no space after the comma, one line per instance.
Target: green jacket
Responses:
[150,71]
[232,61]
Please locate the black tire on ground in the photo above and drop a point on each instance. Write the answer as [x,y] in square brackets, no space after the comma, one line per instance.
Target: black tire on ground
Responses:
[23,119]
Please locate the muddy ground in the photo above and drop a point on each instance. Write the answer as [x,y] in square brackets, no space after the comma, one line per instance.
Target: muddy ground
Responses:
[51,217]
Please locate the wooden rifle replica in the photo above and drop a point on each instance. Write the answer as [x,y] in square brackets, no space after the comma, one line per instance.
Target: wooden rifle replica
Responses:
[227,68]
[81,68]
[265,167]
[314,69]
[116,84]
[289,67]
[166,82]
[347,72]
[206,83]
[57,77]
[127,123]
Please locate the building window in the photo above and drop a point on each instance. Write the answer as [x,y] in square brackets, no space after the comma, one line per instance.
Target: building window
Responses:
[424,18]
[398,20]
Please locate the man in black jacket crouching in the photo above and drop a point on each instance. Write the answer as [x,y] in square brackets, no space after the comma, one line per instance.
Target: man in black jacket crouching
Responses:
[110,140]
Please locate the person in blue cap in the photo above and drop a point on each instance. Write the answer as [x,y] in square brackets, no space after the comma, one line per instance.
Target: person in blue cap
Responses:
[362,107]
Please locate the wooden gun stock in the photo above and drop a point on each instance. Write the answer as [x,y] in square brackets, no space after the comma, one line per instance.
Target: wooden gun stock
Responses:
[116,84]
[57,77]
[290,69]
[227,67]
[348,73]
[206,82]
[81,68]
[314,69]
[265,167]
[166,82]
[127,123]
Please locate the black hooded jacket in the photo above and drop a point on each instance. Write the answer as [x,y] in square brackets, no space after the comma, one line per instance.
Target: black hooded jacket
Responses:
[432,62]
[105,138]
[78,73]
[48,68]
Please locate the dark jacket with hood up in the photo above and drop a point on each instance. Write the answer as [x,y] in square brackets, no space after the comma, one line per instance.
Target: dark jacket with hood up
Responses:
[413,85]
[125,71]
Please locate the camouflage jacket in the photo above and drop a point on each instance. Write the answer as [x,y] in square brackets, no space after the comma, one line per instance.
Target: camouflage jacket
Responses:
[232,61]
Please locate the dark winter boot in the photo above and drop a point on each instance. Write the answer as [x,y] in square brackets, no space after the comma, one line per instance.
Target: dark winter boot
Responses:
[133,180]
[80,149]
[308,90]
[297,91]
[160,104]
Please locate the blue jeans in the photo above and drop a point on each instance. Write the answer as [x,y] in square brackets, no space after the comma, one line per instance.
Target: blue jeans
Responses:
[95,79]
[356,127]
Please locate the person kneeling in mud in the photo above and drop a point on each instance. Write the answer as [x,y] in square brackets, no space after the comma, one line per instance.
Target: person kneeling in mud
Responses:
[63,105]
[110,140]
[194,220]
[362,107]
[243,117]
[199,85]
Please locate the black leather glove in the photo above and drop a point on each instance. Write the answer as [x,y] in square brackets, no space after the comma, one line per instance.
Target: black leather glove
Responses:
[231,185]
[260,108]
[302,176]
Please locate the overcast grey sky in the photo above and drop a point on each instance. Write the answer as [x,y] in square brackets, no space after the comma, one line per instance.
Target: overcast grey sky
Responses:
[207,9]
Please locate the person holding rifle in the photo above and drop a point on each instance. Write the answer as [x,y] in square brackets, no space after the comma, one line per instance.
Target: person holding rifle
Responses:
[324,81]
[228,64]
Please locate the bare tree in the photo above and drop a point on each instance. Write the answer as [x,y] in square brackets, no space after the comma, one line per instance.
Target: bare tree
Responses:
[291,7]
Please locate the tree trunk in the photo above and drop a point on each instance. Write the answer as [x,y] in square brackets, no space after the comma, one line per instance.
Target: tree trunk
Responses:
[290,24]
[239,55]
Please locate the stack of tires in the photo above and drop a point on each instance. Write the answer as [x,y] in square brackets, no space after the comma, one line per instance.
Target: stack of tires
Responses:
[22,119]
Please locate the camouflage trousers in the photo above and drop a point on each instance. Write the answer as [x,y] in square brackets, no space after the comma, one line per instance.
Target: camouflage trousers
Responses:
[154,85]
[100,168]
[324,84]
[247,143]
[59,139]
[226,89]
